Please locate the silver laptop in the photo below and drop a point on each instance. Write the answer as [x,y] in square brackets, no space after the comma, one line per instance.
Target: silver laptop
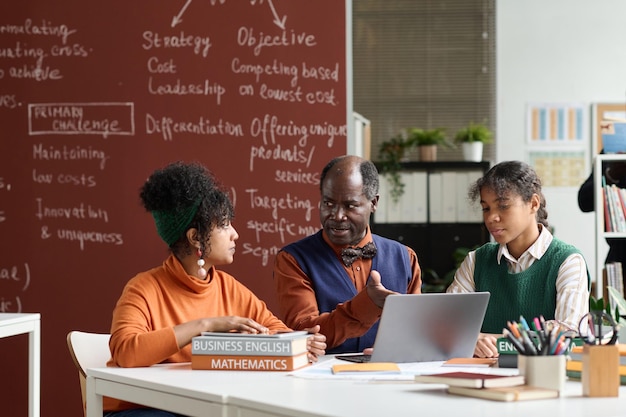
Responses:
[429,327]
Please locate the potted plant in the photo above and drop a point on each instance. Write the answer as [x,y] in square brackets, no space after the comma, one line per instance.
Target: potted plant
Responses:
[391,153]
[472,138]
[427,140]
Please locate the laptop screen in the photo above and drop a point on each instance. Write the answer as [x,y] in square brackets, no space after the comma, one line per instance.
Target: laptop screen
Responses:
[429,327]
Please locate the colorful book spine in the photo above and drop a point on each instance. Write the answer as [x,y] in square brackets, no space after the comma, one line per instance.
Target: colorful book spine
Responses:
[210,345]
[249,363]
[573,369]
[508,353]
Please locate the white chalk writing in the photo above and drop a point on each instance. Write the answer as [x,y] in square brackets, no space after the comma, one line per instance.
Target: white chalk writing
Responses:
[13,274]
[257,41]
[200,45]
[69,153]
[286,202]
[45,28]
[80,212]
[167,127]
[83,180]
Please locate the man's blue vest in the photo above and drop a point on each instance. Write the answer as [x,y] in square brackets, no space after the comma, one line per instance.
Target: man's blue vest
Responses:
[333,285]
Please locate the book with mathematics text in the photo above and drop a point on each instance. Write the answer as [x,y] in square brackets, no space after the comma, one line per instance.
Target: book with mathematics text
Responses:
[517,393]
[249,363]
[471,379]
[279,344]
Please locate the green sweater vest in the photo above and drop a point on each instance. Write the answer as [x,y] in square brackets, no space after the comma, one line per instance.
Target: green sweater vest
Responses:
[530,293]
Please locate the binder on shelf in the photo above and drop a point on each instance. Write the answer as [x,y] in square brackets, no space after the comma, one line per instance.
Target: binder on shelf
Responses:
[435,197]
[419,183]
[462,204]
[380,216]
[408,199]
[474,209]
[448,197]
[394,207]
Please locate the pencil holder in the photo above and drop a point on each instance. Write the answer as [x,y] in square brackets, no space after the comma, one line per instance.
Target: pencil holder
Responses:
[600,373]
[543,371]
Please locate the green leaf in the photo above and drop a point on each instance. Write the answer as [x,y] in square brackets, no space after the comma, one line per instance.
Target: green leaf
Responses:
[619,301]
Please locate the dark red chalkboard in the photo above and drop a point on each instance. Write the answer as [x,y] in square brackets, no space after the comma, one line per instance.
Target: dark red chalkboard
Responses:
[96,95]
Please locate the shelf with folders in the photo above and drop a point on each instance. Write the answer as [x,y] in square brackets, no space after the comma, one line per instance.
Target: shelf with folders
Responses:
[433,192]
[610,213]
[419,219]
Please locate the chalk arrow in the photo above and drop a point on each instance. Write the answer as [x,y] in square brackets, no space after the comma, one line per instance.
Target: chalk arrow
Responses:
[178,18]
[277,21]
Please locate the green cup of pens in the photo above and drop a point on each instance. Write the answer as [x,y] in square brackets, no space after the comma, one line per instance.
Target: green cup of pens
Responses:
[541,346]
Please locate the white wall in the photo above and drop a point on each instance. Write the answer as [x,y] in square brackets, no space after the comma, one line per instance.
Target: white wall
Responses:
[558,51]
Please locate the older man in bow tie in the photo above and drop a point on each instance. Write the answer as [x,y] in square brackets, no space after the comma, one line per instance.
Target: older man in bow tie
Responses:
[340,276]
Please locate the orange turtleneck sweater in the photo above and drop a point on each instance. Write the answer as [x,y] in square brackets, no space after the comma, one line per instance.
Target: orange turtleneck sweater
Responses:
[155,301]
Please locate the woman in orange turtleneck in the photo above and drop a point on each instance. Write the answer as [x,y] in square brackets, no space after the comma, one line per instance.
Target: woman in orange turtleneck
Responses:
[160,310]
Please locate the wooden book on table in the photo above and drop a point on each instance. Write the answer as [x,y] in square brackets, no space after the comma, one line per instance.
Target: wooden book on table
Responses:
[471,362]
[517,393]
[471,379]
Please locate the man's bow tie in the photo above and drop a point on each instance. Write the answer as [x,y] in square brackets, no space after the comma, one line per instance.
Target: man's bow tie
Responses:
[349,255]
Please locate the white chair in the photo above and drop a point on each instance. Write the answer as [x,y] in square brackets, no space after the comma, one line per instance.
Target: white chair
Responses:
[88,350]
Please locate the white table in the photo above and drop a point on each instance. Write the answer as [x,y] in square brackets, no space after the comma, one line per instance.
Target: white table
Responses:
[263,394]
[12,324]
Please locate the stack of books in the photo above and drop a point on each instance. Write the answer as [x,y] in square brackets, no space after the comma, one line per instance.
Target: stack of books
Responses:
[488,386]
[614,207]
[574,366]
[614,278]
[250,352]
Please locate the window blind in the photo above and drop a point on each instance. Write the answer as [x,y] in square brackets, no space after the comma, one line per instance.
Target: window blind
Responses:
[425,64]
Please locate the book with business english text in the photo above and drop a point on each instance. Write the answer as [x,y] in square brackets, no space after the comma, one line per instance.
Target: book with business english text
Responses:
[278,344]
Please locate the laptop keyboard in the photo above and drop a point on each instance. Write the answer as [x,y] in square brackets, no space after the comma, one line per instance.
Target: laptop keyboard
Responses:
[355,358]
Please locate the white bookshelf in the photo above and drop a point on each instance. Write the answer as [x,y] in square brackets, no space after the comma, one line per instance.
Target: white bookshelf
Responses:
[601,234]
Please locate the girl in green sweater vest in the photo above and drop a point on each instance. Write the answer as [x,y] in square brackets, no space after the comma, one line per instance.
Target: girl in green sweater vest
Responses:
[527,271]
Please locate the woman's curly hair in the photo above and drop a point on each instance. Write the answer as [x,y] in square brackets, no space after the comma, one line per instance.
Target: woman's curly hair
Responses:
[178,187]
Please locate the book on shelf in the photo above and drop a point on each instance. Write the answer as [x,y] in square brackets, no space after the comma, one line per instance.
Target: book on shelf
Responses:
[279,344]
[471,379]
[614,278]
[516,393]
[617,213]
[607,212]
[249,363]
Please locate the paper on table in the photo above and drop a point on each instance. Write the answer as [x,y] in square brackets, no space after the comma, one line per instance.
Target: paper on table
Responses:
[323,370]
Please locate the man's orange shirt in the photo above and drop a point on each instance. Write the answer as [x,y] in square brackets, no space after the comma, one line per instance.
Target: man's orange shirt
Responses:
[298,304]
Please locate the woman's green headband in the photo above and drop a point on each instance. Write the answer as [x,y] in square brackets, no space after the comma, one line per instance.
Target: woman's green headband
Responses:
[172,224]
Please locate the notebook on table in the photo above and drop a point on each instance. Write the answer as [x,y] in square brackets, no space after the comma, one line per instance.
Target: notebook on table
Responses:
[427,327]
